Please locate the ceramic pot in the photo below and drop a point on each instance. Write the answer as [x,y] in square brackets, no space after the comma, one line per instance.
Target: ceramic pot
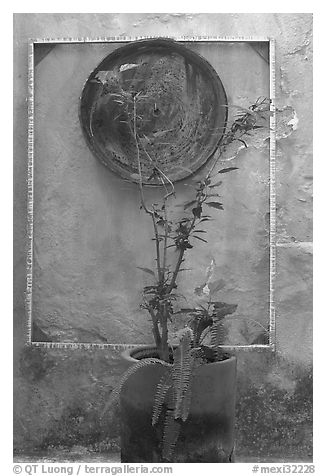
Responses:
[208,434]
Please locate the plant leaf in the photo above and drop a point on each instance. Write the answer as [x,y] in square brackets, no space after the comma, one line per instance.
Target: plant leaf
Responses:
[217,184]
[213,195]
[189,204]
[218,337]
[182,375]
[249,111]
[215,205]
[115,394]
[187,309]
[200,238]
[197,211]
[170,435]
[146,270]
[222,309]
[215,286]
[162,389]
[243,142]
[228,169]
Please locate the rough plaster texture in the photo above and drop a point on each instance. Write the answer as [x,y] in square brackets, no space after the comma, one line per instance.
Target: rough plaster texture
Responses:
[60,393]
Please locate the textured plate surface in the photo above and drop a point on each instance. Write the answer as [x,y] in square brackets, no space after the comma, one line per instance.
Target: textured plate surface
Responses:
[164,94]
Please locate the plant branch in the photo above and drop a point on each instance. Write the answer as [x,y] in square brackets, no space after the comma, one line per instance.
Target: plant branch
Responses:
[156,331]
[165,244]
[158,251]
[140,179]
[180,259]
[142,198]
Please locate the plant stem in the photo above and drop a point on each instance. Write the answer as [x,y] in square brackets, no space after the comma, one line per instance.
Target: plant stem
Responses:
[156,331]
[158,252]
[164,348]
[180,259]
[166,231]
[140,179]
[142,198]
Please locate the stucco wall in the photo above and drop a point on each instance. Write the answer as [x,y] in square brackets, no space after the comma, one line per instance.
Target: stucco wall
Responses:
[89,231]
[59,393]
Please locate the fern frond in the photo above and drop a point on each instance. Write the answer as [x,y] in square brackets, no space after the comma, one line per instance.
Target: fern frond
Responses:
[184,408]
[161,392]
[218,335]
[182,374]
[170,435]
[115,394]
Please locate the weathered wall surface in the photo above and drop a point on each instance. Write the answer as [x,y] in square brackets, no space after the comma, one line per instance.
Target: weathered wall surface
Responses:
[60,393]
[89,231]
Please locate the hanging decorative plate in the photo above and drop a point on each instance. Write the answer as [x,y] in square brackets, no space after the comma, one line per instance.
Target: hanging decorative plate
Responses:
[153,104]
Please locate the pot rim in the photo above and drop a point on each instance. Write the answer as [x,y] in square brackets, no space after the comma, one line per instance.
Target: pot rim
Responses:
[127,355]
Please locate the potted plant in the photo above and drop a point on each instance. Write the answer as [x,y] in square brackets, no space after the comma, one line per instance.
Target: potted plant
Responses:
[177,398]
[177,402]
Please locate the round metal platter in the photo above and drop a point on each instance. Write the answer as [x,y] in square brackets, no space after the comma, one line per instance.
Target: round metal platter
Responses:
[155,103]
